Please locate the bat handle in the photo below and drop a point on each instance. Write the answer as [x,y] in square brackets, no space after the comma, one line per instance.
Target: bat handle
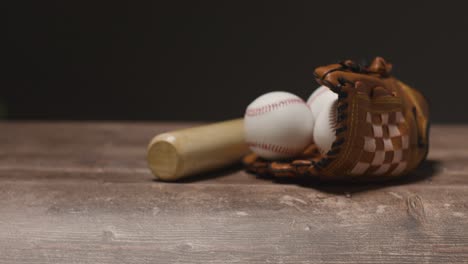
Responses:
[177,154]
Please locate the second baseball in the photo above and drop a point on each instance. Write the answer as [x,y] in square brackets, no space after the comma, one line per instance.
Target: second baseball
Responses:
[322,103]
[278,125]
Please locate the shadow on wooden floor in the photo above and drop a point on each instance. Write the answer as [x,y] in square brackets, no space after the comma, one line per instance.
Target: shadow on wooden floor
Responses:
[425,173]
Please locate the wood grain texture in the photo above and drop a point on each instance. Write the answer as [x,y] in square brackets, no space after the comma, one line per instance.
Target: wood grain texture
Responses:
[81,193]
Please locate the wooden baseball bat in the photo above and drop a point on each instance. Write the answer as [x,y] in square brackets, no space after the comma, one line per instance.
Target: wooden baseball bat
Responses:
[177,154]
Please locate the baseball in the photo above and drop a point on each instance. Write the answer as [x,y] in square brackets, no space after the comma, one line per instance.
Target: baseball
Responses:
[319,98]
[278,125]
[322,103]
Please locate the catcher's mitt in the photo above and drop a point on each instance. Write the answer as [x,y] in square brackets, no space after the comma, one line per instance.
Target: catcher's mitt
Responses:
[382,128]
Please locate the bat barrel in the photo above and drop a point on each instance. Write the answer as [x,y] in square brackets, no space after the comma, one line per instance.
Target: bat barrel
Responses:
[177,154]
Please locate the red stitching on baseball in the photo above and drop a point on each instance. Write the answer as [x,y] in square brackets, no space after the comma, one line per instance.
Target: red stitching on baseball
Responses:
[273,148]
[273,106]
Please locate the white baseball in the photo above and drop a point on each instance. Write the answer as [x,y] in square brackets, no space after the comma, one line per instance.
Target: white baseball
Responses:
[323,103]
[319,98]
[278,125]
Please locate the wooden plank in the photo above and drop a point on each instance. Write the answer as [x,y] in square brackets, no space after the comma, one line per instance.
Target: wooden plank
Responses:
[105,222]
[118,151]
[81,193]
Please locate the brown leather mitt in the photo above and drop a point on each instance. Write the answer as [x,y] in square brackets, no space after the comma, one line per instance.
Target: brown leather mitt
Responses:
[382,128]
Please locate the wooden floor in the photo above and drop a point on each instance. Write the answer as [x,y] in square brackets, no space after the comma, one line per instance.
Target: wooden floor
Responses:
[81,193]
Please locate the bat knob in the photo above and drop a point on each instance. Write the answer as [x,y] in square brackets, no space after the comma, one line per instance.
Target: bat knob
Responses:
[163,158]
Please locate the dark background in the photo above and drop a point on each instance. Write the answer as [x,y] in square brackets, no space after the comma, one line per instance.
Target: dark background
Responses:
[191,60]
